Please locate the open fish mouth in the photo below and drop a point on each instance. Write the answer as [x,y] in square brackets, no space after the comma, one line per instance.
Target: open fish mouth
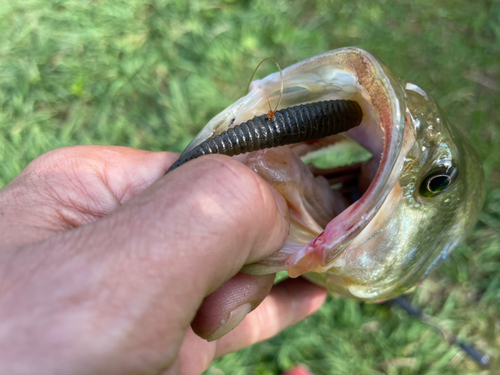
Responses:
[325,221]
[397,215]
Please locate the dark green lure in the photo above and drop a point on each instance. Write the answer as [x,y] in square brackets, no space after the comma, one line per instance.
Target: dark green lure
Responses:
[297,124]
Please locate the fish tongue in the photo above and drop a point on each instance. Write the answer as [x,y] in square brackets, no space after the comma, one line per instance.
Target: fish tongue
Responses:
[312,203]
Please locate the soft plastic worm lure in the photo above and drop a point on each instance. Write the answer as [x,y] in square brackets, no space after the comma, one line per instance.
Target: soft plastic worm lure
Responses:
[302,123]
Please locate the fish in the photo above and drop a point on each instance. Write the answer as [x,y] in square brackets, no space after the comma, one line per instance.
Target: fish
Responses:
[375,229]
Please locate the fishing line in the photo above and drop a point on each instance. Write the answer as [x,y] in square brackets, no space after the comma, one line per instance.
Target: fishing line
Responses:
[480,358]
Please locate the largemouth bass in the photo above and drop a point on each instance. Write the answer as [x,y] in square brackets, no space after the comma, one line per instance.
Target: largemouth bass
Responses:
[396,215]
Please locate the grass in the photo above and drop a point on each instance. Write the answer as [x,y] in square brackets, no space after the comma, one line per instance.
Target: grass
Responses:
[150,73]
[337,155]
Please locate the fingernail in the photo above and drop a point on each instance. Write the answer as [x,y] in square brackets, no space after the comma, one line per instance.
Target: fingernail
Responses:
[235,318]
[280,202]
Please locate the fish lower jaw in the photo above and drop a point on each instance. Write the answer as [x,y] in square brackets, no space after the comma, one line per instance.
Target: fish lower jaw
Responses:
[324,221]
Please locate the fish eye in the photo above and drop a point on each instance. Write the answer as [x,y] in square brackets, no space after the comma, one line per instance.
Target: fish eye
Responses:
[438,182]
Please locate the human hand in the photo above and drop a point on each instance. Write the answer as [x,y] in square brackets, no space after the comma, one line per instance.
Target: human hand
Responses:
[108,268]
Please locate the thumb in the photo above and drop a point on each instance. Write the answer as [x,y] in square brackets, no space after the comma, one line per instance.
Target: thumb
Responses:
[202,222]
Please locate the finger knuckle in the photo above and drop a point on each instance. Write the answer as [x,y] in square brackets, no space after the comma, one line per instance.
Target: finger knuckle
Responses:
[62,159]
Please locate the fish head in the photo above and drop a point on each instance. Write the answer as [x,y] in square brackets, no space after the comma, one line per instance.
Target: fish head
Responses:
[396,214]
[426,214]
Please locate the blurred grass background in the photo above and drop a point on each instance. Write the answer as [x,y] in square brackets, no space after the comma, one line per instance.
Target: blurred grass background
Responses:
[150,73]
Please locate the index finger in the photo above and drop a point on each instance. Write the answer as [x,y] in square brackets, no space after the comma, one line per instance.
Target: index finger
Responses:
[72,186]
